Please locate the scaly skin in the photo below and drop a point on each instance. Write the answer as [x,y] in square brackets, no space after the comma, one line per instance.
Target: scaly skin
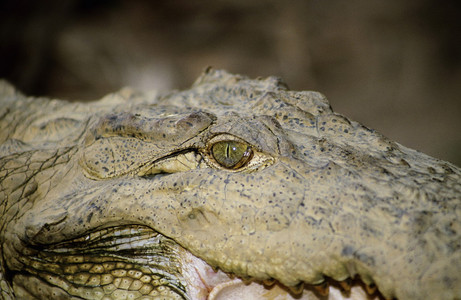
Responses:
[316,195]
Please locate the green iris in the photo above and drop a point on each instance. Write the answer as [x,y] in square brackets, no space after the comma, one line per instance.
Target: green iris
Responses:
[231,154]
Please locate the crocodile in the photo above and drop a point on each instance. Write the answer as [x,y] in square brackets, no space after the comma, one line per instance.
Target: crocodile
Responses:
[236,188]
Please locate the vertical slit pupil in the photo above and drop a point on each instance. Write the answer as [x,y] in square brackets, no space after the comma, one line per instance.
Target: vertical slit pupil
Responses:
[231,154]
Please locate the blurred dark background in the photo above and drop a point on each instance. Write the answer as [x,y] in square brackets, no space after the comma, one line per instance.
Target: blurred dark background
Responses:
[394,66]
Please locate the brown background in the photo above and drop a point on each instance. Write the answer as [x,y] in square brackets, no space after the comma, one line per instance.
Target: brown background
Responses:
[394,66]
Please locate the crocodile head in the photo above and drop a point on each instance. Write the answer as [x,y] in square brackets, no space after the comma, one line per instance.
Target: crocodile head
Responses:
[233,187]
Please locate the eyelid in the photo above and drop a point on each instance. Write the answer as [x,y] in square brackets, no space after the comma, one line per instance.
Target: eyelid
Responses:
[226,137]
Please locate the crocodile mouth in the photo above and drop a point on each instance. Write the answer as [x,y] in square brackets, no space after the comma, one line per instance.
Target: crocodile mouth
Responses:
[136,262]
[217,285]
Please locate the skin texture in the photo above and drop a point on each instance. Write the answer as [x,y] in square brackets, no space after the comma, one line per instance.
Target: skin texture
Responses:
[116,198]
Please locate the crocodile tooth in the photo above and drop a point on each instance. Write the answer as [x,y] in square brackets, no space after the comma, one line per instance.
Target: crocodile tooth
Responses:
[346,284]
[323,289]
[371,288]
[297,289]
[246,279]
[269,282]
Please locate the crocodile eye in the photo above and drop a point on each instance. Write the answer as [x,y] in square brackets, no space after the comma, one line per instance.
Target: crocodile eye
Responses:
[231,154]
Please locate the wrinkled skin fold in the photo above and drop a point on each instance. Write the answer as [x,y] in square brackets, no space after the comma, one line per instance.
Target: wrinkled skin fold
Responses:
[233,187]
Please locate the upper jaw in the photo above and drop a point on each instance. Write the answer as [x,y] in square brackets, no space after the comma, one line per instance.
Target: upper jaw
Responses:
[113,204]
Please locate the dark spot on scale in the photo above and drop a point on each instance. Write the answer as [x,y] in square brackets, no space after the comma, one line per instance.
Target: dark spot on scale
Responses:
[449,282]
[90,216]
[385,171]
[112,118]
[447,169]
[368,260]
[347,250]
